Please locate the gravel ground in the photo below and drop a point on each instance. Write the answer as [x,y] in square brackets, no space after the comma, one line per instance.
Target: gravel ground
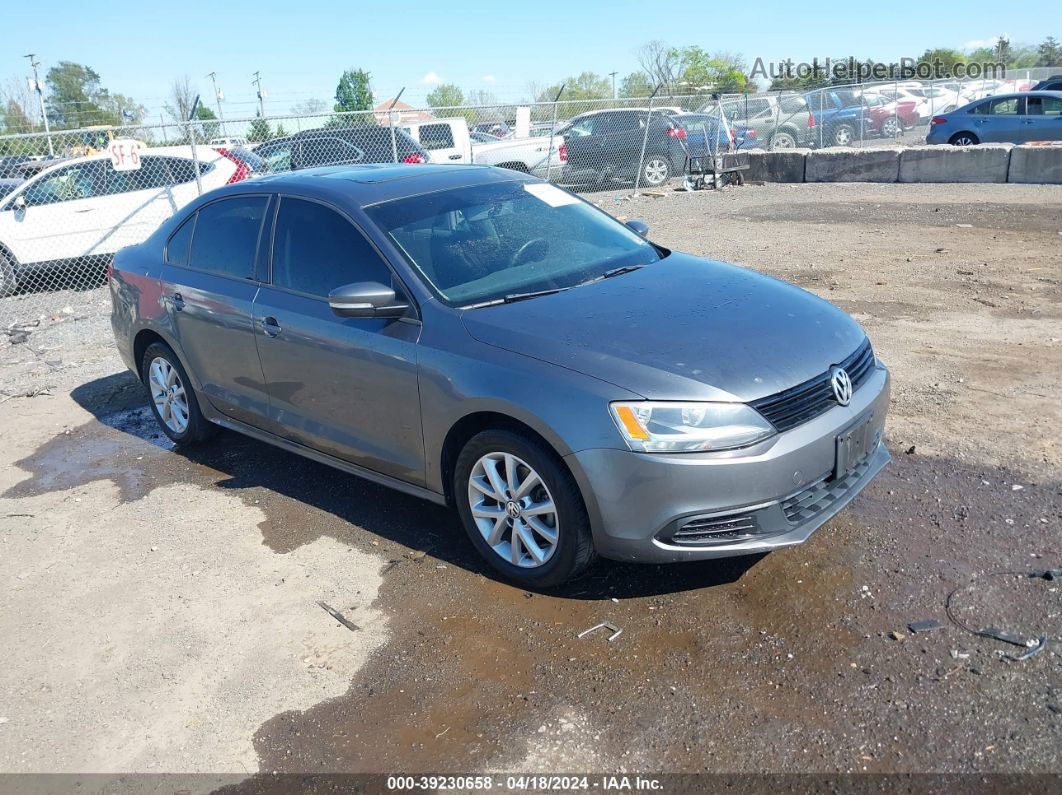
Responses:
[164,609]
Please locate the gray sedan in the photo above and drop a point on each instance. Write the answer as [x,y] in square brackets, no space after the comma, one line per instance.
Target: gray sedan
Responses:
[1007,118]
[483,339]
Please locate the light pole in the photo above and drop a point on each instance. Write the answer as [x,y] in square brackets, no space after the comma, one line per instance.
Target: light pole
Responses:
[613,76]
[34,63]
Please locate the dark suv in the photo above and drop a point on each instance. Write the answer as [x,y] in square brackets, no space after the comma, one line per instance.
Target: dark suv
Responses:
[606,144]
[1053,83]
[343,146]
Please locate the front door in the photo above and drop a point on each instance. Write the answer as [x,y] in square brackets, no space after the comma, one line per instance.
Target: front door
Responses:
[1042,120]
[344,386]
[208,286]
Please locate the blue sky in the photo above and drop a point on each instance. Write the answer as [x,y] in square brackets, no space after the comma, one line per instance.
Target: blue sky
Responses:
[302,47]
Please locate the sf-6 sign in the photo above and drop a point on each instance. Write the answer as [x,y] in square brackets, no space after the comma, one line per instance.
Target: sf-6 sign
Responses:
[125,154]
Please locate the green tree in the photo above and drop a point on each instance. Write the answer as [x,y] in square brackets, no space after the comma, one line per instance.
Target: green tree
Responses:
[353,92]
[700,71]
[280,132]
[76,98]
[258,130]
[209,128]
[636,84]
[310,107]
[1049,53]
[587,85]
[446,95]
[947,58]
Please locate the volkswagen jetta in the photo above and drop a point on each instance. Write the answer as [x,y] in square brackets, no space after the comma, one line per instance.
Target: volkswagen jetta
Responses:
[478,337]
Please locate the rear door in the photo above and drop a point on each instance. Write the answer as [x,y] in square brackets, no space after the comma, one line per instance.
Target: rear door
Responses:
[344,386]
[208,285]
[583,144]
[998,120]
[1042,120]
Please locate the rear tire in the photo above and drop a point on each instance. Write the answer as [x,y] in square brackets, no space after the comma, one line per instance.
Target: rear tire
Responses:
[843,135]
[656,171]
[174,401]
[8,280]
[559,529]
[963,139]
[782,140]
[890,128]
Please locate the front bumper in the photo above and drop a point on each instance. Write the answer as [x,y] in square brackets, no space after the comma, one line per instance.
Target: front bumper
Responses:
[777,493]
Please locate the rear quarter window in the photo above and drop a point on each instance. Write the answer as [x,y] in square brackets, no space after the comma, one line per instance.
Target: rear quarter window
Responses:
[180,242]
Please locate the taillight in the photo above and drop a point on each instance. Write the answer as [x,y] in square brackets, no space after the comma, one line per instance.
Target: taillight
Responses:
[562,153]
[677,132]
[110,270]
[938,120]
[811,121]
[750,133]
[242,172]
[416,157]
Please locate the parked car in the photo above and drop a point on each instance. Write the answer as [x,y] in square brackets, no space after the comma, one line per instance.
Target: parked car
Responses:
[10,165]
[81,210]
[499,129]
[451,141]
[1009,118]
[1053,83]
[483,138]
[253,163]
[780,122]
[366,143]
[841,116]
[465,335]
[228,143]
[603,145]
[884,102]
[705,132]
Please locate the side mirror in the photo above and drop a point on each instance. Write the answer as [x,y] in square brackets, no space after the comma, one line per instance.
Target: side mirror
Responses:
[366,299]
[638,227]
[19,203]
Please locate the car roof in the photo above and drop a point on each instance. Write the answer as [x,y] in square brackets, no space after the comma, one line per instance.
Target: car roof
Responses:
[368,184]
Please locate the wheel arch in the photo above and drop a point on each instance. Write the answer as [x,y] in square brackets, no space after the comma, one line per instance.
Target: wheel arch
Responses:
[471,424]
[148,335]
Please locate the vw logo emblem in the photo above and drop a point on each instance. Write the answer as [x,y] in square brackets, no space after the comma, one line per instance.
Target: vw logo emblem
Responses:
[842,385]
[512,509]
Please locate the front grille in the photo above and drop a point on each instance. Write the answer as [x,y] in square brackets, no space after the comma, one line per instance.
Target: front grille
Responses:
[822,494]
[786,410]
[707,530]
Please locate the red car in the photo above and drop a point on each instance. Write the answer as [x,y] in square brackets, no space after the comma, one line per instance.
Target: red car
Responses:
[888,116]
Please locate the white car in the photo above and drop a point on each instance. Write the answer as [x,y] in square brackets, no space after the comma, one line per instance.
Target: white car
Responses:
[450,141]
[82,209]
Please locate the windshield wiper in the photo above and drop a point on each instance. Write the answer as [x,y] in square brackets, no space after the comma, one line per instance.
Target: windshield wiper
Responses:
[514,297]
[619,270]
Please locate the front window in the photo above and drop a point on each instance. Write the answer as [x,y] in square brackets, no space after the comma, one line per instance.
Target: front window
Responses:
[486,242]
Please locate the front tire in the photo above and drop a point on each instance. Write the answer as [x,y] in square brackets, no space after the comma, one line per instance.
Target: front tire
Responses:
[890,128]
[522,509]
[8,280]
[173,400]
[843,135]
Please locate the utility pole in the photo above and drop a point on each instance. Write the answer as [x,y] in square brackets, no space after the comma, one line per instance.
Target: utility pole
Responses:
[34,63]
[257,83]
[613,76]
[217,99]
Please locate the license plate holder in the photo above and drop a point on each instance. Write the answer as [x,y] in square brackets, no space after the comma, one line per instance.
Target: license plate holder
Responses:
[853,446]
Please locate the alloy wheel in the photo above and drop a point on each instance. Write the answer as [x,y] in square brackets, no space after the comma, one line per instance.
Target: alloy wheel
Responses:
[513,510]
[843,136]
[964,140]
[890,128]
[656,171]
[168,394]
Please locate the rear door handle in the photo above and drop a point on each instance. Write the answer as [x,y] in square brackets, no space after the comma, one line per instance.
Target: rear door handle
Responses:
[270,326]
[455,157]
[178,302]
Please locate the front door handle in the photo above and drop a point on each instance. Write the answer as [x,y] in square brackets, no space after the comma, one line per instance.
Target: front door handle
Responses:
[270,326]
[178,302]
[455,157]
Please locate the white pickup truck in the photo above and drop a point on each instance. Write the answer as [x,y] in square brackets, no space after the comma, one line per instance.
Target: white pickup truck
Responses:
[448,141]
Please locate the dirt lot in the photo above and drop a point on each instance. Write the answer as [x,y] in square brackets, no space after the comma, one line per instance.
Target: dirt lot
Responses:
[161,611]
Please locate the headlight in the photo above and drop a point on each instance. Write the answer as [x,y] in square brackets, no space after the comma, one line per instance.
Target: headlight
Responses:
[666,427]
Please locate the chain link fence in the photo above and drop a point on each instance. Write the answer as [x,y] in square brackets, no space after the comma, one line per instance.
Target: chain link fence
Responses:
[70,199]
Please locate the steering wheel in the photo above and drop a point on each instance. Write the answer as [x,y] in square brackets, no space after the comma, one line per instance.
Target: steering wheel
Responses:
[527,248]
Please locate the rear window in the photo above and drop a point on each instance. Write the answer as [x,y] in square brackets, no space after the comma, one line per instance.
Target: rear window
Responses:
[436,136]
[226,236]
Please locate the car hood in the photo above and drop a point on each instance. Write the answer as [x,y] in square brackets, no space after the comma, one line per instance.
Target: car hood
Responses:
[682,328]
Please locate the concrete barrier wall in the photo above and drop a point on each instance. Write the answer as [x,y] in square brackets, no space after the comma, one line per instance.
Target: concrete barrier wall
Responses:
[844,164]
[1036,165]
[783,165]
[982,163]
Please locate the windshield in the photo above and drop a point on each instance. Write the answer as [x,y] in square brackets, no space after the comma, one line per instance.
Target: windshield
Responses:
[485,242]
